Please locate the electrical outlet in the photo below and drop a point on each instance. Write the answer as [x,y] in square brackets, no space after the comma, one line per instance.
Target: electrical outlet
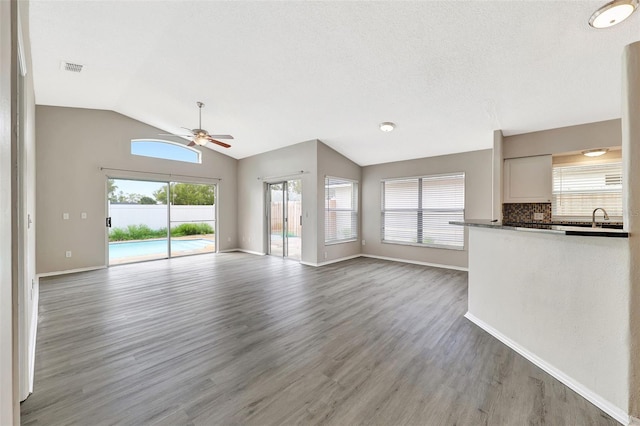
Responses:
[65,216]
[83,215]
[364,242]
[67,253]
[538,216]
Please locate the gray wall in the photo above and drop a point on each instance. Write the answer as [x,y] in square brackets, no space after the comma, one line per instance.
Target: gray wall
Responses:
[331,163]
[477,166]
[276,166]
[565,139]
[73,144]
[631,181]
[498,168]
[9,408]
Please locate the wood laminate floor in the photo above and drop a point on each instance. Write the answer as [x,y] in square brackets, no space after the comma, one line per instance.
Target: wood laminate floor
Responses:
[233,339]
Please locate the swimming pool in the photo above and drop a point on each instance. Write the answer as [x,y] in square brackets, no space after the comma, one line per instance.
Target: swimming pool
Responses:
[154,247]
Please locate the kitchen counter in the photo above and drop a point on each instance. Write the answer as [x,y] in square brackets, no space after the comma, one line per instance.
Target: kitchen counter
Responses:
[546,228]
[560,297]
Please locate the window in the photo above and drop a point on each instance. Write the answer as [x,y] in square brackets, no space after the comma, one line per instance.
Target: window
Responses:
[580,188]
[166,150]
[418,210]
[341,210]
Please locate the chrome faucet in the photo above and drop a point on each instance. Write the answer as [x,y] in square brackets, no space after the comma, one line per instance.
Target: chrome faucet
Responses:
[593,216]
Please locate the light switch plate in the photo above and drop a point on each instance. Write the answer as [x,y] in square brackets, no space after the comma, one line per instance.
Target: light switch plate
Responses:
[83,215]
[65,216]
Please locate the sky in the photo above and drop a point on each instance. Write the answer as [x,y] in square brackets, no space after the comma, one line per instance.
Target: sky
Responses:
[137,187]
[167,150]
[156,149]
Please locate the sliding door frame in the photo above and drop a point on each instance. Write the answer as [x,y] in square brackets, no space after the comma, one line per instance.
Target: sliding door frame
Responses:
[135,176]
[285,218]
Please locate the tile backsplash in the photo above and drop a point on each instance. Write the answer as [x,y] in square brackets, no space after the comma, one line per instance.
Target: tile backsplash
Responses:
[524,212]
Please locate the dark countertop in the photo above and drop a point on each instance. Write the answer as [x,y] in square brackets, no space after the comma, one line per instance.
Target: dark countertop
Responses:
[546,228]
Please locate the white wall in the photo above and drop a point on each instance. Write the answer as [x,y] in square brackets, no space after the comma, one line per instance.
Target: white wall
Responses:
[155,216]
[477,166]
[277,166]
[69,180]
[28,286]
[564,299]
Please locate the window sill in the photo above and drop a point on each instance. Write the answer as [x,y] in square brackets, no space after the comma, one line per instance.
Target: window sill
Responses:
[333,243]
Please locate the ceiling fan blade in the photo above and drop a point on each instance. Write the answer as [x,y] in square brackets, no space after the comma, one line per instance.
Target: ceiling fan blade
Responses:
[221,136]
[222,144]
[171,134]
[192,143]
[190,130]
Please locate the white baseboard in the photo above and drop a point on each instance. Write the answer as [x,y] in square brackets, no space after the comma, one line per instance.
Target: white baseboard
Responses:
[342,259]
[257,253]
[70,271]
[415,262]
[617,413]
[329,262]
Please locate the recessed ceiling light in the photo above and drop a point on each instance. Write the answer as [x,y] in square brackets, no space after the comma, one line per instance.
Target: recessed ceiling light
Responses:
[387,126]
[613,13]
[595,152]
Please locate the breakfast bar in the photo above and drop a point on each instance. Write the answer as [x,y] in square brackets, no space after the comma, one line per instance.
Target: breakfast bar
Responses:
[558,295]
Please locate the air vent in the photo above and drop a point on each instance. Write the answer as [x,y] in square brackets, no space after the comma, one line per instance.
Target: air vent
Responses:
[613,179]
[70,66]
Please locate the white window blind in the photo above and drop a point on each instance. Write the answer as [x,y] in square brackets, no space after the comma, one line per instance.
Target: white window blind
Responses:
[341,210]
[418,210]
[580,188]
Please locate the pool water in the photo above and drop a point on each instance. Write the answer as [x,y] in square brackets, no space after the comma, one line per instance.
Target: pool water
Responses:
[154,247]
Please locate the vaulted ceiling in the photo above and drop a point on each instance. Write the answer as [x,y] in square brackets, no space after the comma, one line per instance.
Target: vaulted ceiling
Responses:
[278,73]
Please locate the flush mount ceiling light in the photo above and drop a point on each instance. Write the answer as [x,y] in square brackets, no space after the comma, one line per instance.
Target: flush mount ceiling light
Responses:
[387,126]
[613,13]
[595,152]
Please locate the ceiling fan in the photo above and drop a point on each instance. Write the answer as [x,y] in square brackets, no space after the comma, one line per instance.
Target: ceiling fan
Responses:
[201,136]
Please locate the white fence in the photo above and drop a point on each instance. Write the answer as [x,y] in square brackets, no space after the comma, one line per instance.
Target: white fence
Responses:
[155,216]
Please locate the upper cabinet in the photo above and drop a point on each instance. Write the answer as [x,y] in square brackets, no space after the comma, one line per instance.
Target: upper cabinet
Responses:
[527,179]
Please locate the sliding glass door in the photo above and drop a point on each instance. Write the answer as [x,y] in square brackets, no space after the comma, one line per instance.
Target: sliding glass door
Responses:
[150,220]
[276,222]
[294,219]
[193,218]
[284,219]
[137,221]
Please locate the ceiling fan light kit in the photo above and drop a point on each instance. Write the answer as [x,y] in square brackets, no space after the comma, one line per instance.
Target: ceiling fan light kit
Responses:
[613,13]
[201,137]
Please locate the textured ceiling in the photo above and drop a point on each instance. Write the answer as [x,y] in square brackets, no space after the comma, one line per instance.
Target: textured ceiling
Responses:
[278,73]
